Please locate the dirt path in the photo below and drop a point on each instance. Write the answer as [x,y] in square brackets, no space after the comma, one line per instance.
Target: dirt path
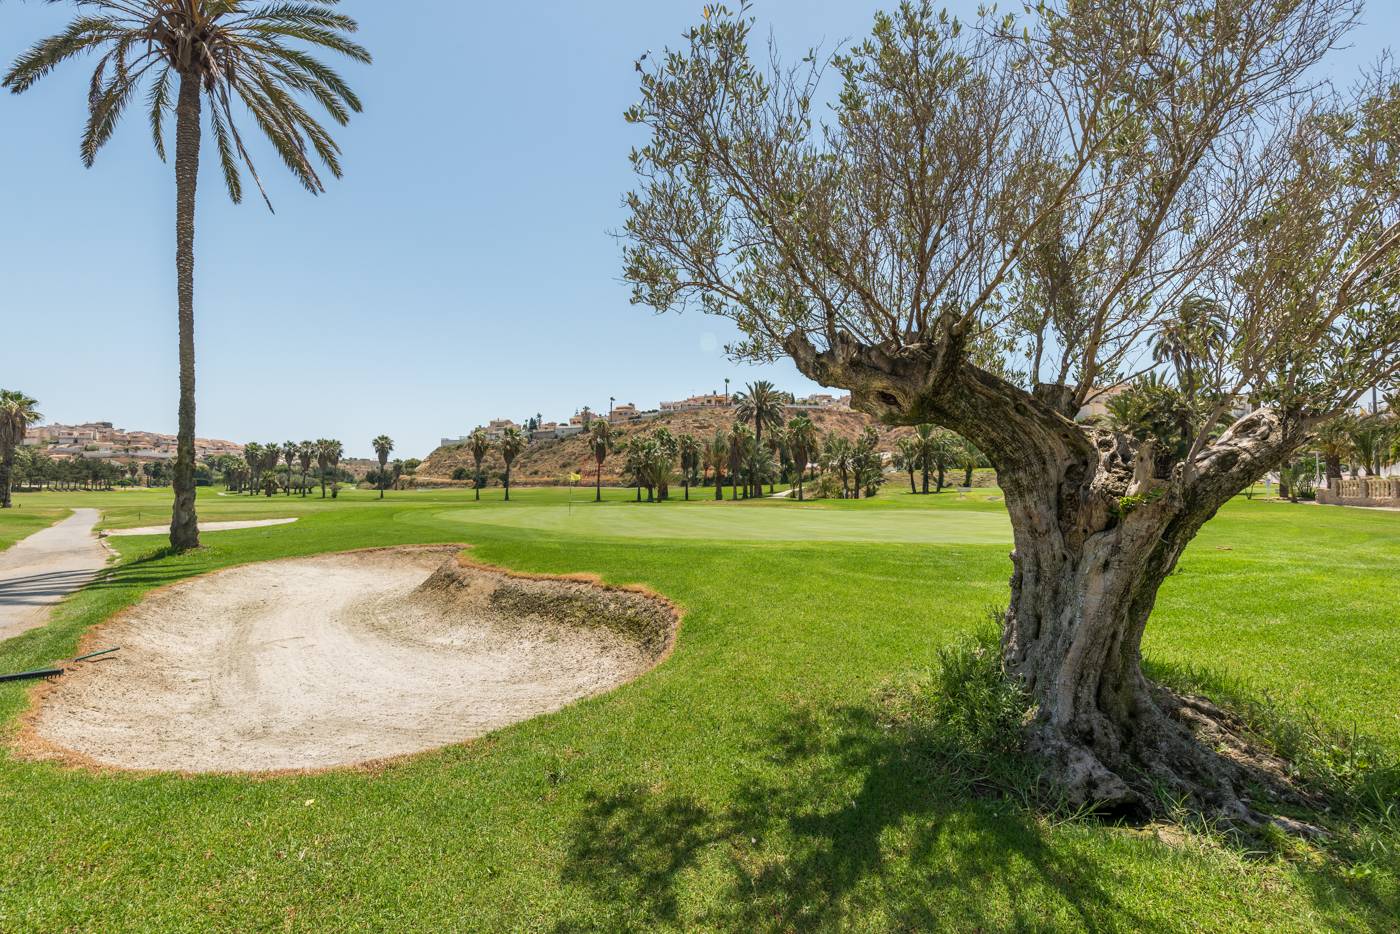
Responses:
[307,663]
[44,568]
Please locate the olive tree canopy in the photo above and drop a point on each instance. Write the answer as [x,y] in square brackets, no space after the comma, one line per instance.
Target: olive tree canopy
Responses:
[989,224]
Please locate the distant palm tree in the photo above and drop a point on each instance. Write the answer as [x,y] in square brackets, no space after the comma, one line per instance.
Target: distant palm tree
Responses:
[17,413]
[326,452]
[383,447]
[690,460]
[668,449]
[837,456]
[802,443]
[601,443]
[906,457]
[252,453]
[739,437]
[777,447]
[186,51]
[716,454]
[478,445]
[396,471]
[336,451]
[512,443]
[306,452]
[761,404]
[271,457]
[290,450]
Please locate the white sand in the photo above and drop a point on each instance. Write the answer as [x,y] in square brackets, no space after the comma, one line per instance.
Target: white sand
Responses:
[314,662]
[203,527]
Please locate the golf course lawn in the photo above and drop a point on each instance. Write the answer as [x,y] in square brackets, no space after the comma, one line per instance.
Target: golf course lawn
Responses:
[749,782]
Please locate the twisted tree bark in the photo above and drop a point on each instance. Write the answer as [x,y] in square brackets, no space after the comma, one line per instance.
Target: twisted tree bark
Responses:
[1097,526]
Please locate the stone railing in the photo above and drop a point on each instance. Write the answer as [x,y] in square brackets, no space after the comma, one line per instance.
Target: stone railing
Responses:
[1365,491]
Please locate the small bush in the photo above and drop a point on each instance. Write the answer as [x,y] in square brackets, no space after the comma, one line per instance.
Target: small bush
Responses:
[964,719]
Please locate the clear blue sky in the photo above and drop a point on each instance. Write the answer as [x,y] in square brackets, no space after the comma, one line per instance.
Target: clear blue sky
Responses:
[462,270]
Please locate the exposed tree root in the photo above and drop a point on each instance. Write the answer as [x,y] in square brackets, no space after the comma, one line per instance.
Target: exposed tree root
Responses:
[1182,752]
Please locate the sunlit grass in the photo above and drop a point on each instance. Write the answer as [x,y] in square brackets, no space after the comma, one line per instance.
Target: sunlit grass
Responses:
[748,782]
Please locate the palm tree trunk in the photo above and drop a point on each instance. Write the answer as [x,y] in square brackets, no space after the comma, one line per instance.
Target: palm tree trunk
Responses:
[7,467]
[184,524]
[911,481]
[507,482]
[598,484]
[719,484]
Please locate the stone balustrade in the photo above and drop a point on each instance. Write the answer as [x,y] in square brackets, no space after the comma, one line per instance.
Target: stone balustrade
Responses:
[1362,491]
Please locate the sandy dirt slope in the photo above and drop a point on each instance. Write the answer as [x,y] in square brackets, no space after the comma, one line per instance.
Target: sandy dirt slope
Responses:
[44,568]
[337,659]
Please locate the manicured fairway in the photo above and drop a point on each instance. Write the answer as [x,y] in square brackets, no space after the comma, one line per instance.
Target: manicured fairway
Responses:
[748,782]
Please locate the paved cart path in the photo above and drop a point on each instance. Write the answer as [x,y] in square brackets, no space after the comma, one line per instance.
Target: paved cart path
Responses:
[44,568]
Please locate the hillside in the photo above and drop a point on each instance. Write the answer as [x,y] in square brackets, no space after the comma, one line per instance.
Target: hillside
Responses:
[547,461]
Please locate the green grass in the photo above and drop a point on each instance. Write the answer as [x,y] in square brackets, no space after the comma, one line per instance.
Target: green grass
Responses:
[17,523]
[747,783]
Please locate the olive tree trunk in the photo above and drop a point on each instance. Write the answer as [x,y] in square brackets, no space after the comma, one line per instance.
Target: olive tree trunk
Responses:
[184,524]
[1099,522]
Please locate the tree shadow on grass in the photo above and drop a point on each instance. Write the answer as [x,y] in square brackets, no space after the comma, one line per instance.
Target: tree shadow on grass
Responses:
[843,825]
[846,823]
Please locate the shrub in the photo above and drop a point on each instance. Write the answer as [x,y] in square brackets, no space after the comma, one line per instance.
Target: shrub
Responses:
[964,718]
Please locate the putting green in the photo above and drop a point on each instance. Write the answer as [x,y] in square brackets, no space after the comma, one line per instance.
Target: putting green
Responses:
[742,522]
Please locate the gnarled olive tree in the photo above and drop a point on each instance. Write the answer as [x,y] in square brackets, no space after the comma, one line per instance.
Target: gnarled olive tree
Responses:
[999,221]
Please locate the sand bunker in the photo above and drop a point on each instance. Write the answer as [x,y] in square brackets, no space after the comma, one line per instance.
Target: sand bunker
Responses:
[203,527]
[316,662]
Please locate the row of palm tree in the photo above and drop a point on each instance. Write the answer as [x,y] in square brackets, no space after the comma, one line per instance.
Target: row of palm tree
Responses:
[933,450]
[479,445]
[256,471]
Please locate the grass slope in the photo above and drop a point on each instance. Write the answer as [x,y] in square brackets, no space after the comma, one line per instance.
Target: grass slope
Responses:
[746,783]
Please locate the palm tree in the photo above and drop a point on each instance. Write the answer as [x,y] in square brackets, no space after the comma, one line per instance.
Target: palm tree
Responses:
[17,413]
[383,447]
[396,471]
[1191,338]
[906,457]
[306,452]
[326,451]
[716,454]
[690,460]
[761,404]
[600,441]
[837,457]
[271,457]
[221,50]
[289,454]
[968,456]
[802,442]
[777,446]
[512,443]
[739,436]
[252,453]
[668,450]
[479,445]
[336,451]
